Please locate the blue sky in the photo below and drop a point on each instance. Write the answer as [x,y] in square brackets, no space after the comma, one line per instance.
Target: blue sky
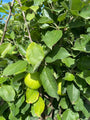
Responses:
[6,1]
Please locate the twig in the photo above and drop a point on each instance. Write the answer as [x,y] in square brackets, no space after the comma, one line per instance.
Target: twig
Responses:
[5,28]
[25,21]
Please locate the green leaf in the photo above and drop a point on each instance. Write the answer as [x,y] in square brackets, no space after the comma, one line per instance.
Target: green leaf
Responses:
[34,8]
[84,63]
[86,75]
[21,50]
[64,103]
[24,8]
[73,93]
[3,108]
[79,106]
[61,17]
[70,115]
[82,44]
[1,33]
[38,107]
[3,10]
[20,101]
[12,35]
[69,76]
[52,37]
[75,24]
[38,2]
[68,61]
[45,20]
[2,118]
[30,16]
[85,12]
[2,79]
[14,110]
[75,4]
[80,82]
[31,95]
[25,108]
[57,54]
[34,54]
[86,94]
[4,49]
[7,93]
[49,82]
[3,62]
[15,68]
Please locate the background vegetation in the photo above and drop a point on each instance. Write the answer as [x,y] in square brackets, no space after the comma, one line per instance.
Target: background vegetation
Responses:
[51,38]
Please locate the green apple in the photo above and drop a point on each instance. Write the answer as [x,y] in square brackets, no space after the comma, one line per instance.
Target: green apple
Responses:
[59,91]
[32,80]
[59,87]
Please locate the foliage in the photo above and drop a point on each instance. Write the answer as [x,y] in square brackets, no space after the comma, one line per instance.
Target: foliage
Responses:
[60,53]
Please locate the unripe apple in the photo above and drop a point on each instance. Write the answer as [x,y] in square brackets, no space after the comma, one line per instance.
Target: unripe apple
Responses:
[59,87]
[59,91]
[32,80]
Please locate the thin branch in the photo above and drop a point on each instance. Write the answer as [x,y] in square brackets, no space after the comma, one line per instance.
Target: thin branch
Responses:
[25,21]
[5,28]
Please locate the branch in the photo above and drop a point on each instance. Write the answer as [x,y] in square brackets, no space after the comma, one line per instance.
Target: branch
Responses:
[5,28]
[25,21]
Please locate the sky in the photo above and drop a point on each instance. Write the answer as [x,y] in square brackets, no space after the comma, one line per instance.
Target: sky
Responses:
[4,1]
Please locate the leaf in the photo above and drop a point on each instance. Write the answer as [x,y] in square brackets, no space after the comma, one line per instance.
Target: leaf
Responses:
[3,108]
[15,68]
[20,101]
[80,82]
[75,4]
[70,115]
[2,79]
[2,118]
[68,61]
[75,24]
[25,108]
[3,10]
[86,75]
[34,54]
[45,20]
[64,103]
[85,12]
[83,44]
[38,2]
[7,93]
[38,107]
[24,8]
[30,16]
[3,63]
[69,76]
[34,8]
[73,93]
[49,82]
[21,50]
[86,94]
[12,35]
[61,17]
[52,37]
[79,106]
[4,49]
[57,54]
[31,95]
[1,33]
[14,110]
[84,63]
